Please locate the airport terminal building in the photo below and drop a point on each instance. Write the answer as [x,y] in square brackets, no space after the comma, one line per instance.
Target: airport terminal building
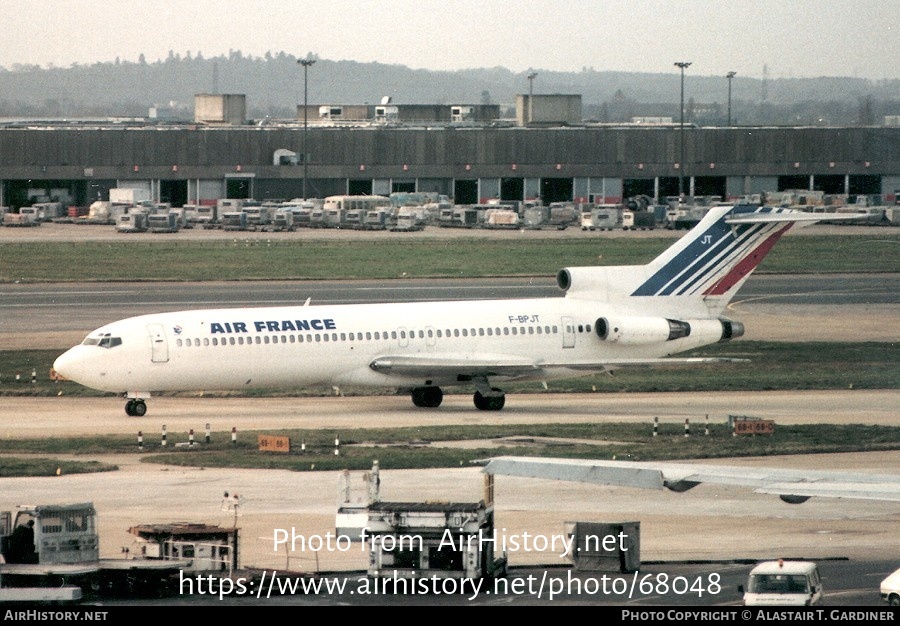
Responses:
[465,152]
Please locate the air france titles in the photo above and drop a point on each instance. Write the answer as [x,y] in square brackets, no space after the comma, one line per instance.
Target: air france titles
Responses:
[273,326]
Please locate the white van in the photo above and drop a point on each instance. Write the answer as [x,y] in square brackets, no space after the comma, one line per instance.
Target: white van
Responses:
[783,583]
[890,589]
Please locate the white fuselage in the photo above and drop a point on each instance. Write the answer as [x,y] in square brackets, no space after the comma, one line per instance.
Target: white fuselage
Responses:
[224,349]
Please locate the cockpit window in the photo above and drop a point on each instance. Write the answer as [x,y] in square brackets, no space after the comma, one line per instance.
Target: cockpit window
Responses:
[104,341]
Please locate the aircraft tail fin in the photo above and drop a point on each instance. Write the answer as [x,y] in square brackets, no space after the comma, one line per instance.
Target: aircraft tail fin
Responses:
[703,270]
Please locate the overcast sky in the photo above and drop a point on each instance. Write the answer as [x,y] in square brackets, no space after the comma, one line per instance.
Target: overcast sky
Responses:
[792,38]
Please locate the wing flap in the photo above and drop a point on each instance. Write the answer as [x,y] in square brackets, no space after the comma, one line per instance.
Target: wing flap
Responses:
[848,489]
[430,365]
[609,364]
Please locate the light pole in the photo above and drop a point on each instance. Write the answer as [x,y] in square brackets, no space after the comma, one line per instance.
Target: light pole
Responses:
[682,65]
[729,76]
[309,60]
[531,77]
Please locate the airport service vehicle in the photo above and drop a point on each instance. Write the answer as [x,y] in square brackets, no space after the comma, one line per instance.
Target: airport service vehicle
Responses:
[783,583]
[49,534]
[890,589]
[606,318]
[57,546]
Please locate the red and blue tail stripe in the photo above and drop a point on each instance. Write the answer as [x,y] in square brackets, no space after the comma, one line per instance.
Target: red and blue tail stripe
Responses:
[715,257]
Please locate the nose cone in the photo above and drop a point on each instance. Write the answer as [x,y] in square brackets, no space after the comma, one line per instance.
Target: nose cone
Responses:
[65,364]
[79,365]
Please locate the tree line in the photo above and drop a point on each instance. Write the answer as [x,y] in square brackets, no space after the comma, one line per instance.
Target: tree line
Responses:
[273,85]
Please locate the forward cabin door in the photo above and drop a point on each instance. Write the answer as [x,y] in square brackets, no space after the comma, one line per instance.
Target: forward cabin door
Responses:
[159,347]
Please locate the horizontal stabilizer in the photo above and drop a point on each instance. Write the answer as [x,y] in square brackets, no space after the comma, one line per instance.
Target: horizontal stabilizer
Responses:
[793,216]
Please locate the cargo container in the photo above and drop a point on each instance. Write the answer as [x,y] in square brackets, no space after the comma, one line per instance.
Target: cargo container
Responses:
[162,223]
[33,213]
[128,195]
[602,217]
[459,217]
[133,222]
[50,210]
[283,220]
[259,216]
[638,220]
[20,219]
[353,218]
[500,218]
[376,220]
[234,220]
[207,216]
[410,219]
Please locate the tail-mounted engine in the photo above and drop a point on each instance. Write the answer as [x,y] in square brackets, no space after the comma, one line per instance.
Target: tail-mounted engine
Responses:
[642,330]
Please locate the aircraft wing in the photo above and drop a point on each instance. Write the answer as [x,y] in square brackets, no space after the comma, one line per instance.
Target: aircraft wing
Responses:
[505,365]
[433,365]
[612,364]
[791,485]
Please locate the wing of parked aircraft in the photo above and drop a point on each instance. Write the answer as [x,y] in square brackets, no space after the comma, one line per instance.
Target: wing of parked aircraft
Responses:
[791,485]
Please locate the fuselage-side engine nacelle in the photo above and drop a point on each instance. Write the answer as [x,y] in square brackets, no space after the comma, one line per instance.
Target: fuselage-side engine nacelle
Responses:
[643,330]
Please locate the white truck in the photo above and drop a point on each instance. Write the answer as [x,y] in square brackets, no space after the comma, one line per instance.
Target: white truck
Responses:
[783,583]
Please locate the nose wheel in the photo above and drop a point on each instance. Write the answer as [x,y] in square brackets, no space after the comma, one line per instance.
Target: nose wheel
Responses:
[136,408]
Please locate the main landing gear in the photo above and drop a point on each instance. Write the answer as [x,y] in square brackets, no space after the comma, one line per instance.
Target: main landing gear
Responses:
[492,402]
[492,399]
[135,407]
[427,397]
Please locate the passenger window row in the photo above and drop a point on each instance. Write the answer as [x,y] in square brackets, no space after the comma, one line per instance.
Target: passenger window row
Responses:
[370,336]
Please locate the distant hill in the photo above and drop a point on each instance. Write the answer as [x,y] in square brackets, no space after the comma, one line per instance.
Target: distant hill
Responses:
[273,85]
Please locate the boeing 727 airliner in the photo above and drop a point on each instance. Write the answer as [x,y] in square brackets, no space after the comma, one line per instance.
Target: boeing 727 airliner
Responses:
[606,318]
